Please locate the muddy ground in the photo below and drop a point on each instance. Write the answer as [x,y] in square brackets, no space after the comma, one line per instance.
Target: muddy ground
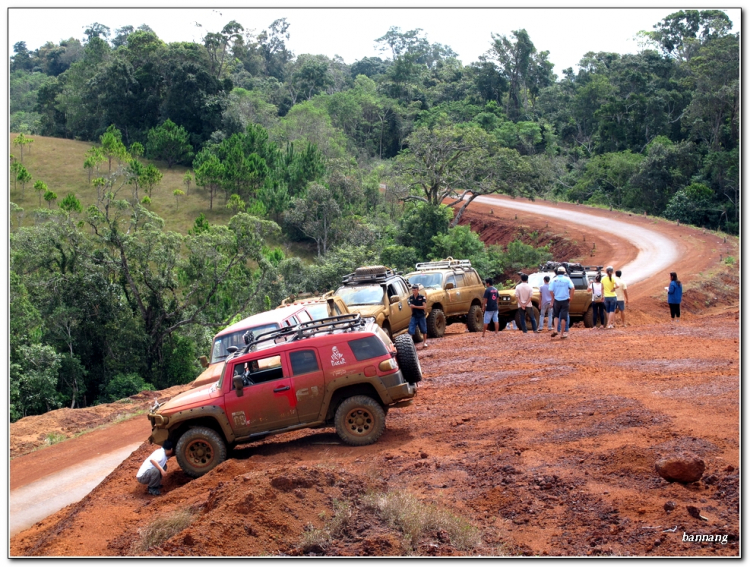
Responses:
[520,445]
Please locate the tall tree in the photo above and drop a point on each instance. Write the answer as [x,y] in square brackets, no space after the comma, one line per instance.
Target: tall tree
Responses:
[169,142]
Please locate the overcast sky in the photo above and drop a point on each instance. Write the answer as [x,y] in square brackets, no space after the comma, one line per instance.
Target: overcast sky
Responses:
[567,33]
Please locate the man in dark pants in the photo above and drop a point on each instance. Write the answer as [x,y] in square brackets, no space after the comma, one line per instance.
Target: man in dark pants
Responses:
[523,296]
[155,467]
[562,290]
[418,304]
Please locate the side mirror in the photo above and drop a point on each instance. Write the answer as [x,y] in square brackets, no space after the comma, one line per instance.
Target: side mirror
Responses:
[393,299]
[238,385]
[449,285]
[204,361]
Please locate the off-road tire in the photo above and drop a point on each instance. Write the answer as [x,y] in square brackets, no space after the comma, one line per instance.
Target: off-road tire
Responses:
[436,323]
[408,361]
[475,319]
[369,270]
[588,317]
[533,312]
[199,450]
[359,420]
[502,322]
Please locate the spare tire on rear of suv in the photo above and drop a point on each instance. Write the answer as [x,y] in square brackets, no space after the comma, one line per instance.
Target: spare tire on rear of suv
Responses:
[406,356]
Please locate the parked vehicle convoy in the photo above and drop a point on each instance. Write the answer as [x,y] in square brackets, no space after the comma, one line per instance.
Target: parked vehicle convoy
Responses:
[454,293]
[380,293]
[340,371]
[284,316]
[580,306]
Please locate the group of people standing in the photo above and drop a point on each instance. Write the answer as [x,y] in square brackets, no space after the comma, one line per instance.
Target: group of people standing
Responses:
[608,294]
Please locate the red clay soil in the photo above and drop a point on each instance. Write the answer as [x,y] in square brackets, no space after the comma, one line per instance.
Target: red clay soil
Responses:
[545,446]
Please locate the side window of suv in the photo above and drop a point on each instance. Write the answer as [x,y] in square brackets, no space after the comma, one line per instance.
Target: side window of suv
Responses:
[303,362]
[460,280]
[369,347]
[403,291]
[261,370]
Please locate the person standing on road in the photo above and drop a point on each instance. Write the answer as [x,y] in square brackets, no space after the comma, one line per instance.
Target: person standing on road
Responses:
[610,296]
[546,306]
[418,304]
[523,296]
[489,306]
[155,467]
[674,296]
[622,295]
[597,300]
[562,290]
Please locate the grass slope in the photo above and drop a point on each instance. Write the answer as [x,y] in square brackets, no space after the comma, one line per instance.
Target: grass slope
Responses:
[59,163]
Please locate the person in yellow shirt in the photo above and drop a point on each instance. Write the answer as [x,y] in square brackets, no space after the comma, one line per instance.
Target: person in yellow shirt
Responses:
[609,284]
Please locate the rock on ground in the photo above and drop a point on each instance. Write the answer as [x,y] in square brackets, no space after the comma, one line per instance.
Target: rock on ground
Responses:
[684,467]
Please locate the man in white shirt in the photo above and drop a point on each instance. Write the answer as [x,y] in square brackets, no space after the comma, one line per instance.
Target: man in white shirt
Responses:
[155,467]
[622,295]
[523,296]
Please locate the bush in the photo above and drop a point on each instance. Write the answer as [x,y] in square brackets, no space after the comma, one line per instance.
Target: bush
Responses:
[123,386]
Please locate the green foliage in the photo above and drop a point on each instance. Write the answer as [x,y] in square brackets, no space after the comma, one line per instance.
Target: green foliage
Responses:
[71,204]
[420,223]
[33,381]
[50,196]
[729,260]
[399,257]
[41,188]
[169,142]
[123,386]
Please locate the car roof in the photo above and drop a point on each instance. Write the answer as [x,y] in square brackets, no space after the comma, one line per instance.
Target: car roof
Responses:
[277,315]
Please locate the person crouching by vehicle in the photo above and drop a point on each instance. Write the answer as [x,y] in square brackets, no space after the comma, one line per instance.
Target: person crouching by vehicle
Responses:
[562,290]
[155,467]
[418,305]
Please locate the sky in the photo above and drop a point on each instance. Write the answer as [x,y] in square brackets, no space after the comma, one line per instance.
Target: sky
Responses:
[567,33]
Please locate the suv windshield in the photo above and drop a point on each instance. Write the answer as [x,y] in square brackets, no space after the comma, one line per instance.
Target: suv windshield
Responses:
[361,295]
[427,280]
[221,343]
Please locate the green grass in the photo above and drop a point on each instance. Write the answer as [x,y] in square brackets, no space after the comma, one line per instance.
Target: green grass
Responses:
[54,438]
[160,530]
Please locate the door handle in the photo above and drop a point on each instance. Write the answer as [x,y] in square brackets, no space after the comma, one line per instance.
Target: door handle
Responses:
[281,389]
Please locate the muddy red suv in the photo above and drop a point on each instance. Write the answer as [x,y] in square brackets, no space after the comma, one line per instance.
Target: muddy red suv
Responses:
[340,371]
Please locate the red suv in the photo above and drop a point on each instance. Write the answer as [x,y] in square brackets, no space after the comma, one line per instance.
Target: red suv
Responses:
[340,371]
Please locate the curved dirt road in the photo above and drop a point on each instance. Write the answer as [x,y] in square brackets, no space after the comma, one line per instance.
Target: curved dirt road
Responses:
[655,251]
[643,247]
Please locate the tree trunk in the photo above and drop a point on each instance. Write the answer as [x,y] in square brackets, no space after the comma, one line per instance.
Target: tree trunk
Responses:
[461,211]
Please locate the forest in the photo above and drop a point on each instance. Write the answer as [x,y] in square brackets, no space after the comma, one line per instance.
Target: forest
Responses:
[373,162]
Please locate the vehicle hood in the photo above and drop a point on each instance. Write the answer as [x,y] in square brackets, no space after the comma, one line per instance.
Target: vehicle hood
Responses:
[209,375]
[192,398]
[367,310]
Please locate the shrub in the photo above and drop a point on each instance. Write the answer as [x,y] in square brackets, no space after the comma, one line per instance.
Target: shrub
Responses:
[122,386]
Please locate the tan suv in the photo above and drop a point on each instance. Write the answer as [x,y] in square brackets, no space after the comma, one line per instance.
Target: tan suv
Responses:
[380,293]
[454,293]
[580,306]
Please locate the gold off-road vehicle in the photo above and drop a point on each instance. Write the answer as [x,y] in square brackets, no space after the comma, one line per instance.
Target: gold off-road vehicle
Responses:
[380,293]
[454,292]
[580,306]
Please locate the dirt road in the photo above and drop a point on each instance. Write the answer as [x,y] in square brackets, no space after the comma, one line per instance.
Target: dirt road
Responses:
[546,447]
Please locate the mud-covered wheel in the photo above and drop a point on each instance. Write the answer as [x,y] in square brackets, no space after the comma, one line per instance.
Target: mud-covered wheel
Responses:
[533,312]
[588,317]
[436,323]
[475,319]
[359,420]
[408,362]
[199,450]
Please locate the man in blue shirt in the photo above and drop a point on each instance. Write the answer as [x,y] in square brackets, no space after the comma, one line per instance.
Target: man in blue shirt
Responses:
[418,304]
[562,290]
[546,306]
